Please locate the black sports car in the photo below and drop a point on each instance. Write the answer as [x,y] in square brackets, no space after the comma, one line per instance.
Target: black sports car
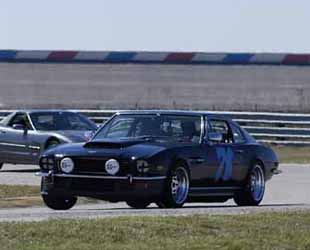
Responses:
[166,157]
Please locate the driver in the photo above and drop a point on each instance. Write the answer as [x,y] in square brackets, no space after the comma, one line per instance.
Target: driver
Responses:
[189,131]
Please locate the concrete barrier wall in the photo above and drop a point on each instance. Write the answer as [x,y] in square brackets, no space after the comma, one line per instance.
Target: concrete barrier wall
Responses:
[128,86]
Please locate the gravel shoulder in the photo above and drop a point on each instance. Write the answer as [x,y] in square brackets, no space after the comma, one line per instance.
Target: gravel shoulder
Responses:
[19,175]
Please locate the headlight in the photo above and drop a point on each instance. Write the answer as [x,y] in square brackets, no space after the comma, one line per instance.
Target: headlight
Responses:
[67,165]
[142,166]
[112,166]
[47,163]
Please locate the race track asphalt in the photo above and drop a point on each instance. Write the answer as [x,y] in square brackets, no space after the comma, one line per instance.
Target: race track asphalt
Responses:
[288,191]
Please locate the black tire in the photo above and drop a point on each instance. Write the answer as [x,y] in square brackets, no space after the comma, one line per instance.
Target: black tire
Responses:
[138,204]
[59,202]
[51,143]
[253,192]
[176,188]
[1,165]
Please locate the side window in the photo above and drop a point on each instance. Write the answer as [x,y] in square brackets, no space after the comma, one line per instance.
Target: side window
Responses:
[44,122]
[176,127]
[237,134]
[222,127]
[21,119]
[76,122]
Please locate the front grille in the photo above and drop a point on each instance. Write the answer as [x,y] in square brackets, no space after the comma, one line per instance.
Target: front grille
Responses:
[97,166]
[89,165]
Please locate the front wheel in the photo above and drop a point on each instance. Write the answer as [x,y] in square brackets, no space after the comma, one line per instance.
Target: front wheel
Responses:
[253,193]
[176,189]
[51,143]
[59,202]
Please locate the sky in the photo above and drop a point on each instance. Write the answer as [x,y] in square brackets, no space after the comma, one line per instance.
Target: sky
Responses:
[157,25]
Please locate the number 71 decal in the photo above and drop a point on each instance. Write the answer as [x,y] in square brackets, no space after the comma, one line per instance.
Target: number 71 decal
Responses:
[225,157]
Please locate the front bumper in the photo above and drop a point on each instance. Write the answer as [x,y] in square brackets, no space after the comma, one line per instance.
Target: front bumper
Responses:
[113,188]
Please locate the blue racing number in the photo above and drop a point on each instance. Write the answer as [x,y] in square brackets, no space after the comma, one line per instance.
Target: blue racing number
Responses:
[225,157]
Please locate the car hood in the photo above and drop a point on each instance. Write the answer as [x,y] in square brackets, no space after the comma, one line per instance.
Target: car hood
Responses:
[75,135]
[112,148]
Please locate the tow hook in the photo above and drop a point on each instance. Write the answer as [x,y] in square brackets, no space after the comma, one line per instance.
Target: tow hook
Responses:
[130,178]
[40,174]
[47,177]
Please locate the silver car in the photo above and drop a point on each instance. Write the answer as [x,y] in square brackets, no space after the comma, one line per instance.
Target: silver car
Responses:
[24,135]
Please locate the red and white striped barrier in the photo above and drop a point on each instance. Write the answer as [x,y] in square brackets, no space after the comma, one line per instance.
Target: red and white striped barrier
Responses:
[154,57]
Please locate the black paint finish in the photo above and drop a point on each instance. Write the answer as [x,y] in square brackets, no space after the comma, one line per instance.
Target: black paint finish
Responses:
[217,169]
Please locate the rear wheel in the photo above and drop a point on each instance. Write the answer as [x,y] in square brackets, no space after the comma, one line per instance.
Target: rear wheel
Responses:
[176,189]
[138,204]
[59,202]
[254,190]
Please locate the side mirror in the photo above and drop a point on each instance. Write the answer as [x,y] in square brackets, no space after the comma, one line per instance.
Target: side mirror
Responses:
[215,137]
[19,126]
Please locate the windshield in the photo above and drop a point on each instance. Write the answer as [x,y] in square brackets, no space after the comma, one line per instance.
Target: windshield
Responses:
[51,121]
[164,127]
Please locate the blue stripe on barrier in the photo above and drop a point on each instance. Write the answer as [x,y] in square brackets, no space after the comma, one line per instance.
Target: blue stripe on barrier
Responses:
[238,58]
[7,54]
[157,57]
[120,56]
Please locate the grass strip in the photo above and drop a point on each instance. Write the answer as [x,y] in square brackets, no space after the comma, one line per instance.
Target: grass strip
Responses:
[27,196]
[10,191]
[251,231]
[19,196]
[291,154]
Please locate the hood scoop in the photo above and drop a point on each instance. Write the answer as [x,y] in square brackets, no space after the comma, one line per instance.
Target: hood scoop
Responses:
[110,143]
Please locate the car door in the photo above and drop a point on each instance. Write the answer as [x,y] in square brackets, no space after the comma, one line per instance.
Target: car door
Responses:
[220,155]
[206,174]
[17,139]
[4,140]
[231,154]
[241,159]
[214,174]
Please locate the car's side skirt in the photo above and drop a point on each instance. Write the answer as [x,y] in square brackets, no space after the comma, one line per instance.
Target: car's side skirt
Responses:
[213,191]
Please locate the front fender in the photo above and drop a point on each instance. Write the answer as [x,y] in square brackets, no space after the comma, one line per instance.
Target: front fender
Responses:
[60,138]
